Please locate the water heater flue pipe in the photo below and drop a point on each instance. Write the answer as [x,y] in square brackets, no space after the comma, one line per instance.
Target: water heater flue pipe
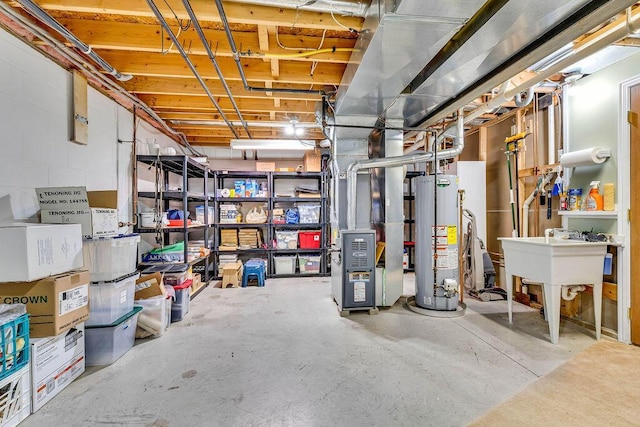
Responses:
[352,170]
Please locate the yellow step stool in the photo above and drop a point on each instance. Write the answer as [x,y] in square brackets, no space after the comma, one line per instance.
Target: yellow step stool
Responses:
[231,275]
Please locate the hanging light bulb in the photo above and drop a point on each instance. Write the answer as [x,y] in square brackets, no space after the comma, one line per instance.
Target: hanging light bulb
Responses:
[291,129]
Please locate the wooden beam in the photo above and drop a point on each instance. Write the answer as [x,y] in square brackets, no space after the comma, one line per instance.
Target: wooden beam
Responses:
[158,65]
[263,39]
[195,103]
[214,115]
[609,291]
[275,68]
[236,13]
[527,172]
[255,132]
[186,86]
[149,38]
[483,143]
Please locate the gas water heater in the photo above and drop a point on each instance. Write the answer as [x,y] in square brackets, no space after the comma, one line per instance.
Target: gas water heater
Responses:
[437,242]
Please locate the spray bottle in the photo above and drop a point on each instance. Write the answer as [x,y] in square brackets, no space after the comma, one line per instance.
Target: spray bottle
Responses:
[595,201]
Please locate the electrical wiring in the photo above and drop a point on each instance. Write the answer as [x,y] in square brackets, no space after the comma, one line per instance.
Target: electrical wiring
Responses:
[297,55]
[164,52]
[299,48]
[352,30]
[182,27]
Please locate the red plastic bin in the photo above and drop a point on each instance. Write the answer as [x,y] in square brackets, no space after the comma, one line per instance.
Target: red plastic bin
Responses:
[309,239]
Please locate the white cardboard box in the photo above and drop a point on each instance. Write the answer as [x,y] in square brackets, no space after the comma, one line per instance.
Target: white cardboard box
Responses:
[96,211]
[33,251]
[55,363]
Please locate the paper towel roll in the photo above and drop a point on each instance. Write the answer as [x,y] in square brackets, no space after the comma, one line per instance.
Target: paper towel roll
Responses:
[590,156]
[225,192]
[609,197]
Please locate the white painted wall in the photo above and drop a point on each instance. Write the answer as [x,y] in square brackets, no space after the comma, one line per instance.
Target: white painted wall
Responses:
[35,123]
[472,179]
[595,116]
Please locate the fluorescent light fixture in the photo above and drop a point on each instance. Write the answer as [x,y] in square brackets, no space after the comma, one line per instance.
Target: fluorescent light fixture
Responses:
[272,144]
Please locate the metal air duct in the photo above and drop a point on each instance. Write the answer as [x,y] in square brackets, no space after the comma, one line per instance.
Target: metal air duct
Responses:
[401,38]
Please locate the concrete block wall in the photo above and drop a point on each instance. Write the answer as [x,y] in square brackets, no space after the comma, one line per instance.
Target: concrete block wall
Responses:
[35,121]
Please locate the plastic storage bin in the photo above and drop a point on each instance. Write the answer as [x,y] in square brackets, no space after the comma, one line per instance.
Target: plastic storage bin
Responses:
[15,397]
[154,317]
[309,239]
[180,305]
[286,239]
[285,264]
[110,258]
[106,344]
[110,300]
[309,213]
[14,340]
[173,275]
[309,264]
[200,214]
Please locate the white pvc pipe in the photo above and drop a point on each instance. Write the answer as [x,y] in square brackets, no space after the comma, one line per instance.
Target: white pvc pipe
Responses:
[570,292]
[551,133]
[579,54]
[525,206]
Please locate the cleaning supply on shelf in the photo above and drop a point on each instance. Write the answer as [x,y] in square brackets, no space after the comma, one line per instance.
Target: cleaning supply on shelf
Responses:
[575,199]
[595,202]
[609,196]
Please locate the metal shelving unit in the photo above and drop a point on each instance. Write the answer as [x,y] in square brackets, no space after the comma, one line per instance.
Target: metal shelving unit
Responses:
[273,201]
[409,220]
[184,169]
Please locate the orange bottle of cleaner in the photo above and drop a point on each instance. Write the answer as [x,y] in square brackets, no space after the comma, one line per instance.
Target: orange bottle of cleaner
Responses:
[595,201]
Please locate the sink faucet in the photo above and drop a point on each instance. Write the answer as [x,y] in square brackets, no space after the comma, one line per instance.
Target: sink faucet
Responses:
[561,233]
[548,232]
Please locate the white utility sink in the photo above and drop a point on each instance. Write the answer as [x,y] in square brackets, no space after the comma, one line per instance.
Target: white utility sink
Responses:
[555,262]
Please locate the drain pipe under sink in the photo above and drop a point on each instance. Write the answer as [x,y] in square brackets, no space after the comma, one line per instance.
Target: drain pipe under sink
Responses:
[570,292]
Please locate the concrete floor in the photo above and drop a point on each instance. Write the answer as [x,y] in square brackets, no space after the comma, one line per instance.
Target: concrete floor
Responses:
[282,356]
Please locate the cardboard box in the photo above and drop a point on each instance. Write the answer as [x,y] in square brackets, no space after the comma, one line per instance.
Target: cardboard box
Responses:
[55,304]
[312,161]
[265,166]
[96,211]
[149,286]
[55,362]
[32,251]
